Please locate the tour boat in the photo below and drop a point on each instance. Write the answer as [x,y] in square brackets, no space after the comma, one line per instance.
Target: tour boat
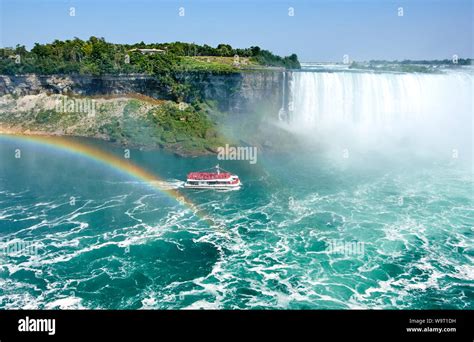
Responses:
[218,180]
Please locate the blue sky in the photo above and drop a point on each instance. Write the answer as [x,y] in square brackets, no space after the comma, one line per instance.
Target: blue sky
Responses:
[319,30]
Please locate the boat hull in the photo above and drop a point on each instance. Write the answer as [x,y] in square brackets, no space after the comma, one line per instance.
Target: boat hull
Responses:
[214,187]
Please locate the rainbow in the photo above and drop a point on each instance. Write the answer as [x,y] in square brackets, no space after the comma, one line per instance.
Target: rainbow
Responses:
[123,165]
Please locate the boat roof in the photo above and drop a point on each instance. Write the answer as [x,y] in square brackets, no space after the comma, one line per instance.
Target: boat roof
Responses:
[208,175]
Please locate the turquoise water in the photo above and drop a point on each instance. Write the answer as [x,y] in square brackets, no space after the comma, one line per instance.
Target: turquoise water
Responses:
[105,240]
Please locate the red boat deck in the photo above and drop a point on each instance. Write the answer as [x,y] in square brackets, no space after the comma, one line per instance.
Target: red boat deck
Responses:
[208,175]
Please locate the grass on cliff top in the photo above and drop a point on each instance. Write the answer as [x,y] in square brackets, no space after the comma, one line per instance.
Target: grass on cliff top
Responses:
[217,64]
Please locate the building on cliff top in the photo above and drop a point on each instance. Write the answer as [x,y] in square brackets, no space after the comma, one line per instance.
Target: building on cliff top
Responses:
[148,51]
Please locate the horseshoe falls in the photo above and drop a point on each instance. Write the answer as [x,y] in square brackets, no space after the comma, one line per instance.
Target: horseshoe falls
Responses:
[375,107]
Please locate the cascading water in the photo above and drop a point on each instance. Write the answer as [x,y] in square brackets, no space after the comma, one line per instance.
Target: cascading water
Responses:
[321,98]
[372,103]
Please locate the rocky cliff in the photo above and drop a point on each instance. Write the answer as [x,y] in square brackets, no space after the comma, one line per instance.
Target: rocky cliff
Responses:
[141,110]
[234,92]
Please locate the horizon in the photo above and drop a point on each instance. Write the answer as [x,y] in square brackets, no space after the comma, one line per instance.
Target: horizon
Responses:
[425,30]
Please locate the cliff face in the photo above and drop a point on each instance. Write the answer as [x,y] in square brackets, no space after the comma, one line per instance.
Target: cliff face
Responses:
[241,92]
[234,93]
[246,102]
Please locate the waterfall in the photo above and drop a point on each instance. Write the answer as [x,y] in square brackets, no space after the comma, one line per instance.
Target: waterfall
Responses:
[365,99]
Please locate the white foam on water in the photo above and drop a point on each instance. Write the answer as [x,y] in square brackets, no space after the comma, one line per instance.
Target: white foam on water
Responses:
[68,303]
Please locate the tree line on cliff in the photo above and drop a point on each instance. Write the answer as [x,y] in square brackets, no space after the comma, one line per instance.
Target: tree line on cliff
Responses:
[96,56]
